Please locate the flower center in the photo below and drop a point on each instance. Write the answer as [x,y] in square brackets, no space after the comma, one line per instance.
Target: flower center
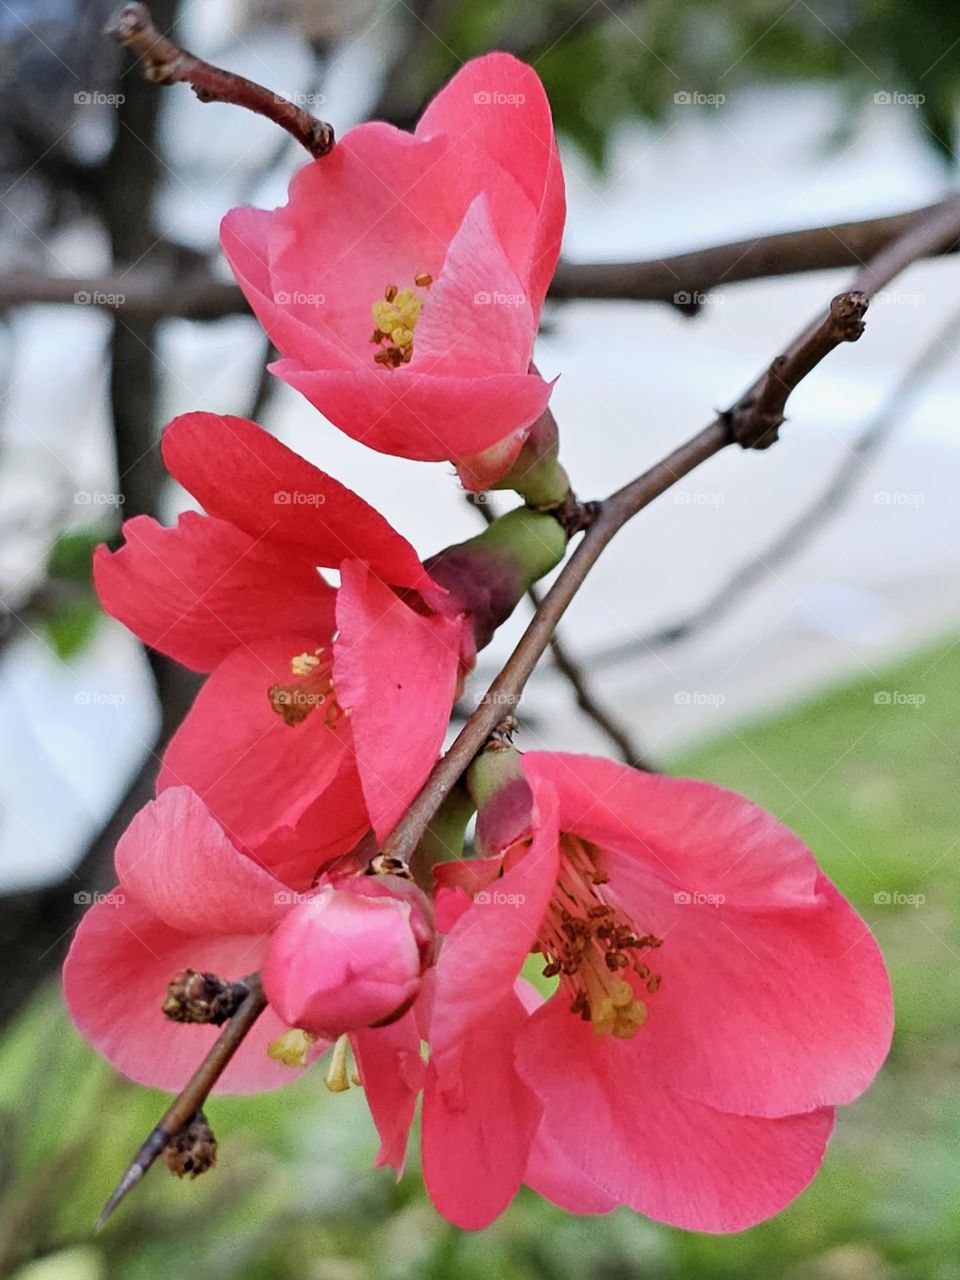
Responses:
[313,688]
[396,315]
[595,951]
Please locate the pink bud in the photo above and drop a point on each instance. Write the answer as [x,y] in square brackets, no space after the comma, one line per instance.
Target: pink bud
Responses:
[350,956]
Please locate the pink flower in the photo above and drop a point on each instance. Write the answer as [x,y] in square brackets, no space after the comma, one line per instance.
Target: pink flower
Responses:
[403,280]
[189,899]
[336,700]
[716,999]
[353,955]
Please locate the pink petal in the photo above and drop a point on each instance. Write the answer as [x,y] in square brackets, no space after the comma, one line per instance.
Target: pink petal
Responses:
[499,104]
[666,1156]
[396,671]
[116,975]
[199,590]
[479,1120]
[232,745]
[553,1174]
[420,416]
[393,1071]
[476,313]
[240,473]
[775,998]
[175,861]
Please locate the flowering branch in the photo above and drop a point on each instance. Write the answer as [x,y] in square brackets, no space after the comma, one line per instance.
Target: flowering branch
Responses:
[166,63]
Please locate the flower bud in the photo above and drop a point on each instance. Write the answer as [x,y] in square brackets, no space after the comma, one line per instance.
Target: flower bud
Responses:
[351,956]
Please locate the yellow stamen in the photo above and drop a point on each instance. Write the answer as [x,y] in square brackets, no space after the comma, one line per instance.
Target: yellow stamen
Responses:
[395,316]
[292,1047]
[337,1078]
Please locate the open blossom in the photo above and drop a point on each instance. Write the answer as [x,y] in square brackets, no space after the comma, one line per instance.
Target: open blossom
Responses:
[715,999]
[403,280]
[325,707]
[188,899]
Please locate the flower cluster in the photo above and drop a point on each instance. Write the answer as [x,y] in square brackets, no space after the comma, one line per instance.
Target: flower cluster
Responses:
[702,996]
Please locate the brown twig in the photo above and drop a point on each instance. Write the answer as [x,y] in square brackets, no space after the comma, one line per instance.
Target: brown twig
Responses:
[574,674]
[191,1099]
[166,63]
[686,276]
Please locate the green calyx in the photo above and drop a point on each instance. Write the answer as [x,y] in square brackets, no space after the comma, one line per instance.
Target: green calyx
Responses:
[495,768]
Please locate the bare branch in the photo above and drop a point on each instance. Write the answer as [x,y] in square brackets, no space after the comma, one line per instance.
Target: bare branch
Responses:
[166,63]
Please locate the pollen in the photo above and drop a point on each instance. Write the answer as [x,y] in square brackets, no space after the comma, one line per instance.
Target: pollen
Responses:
[312,689]
[600,958]
[395,316]
[292,1047]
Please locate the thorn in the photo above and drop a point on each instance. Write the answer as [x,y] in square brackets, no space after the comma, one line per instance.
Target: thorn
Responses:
[136,1169]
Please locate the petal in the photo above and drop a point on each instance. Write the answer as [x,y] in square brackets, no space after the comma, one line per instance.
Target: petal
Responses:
[764,1012]
[420,416]
[115,978]
[666,1156]
[396,672]
[199,590]
[240,473]
[479,1121]
[552,1174]
[691,835]
[232,749]
[393,1071]
[476,313]
[775,998]
[499,103]
[176,861]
